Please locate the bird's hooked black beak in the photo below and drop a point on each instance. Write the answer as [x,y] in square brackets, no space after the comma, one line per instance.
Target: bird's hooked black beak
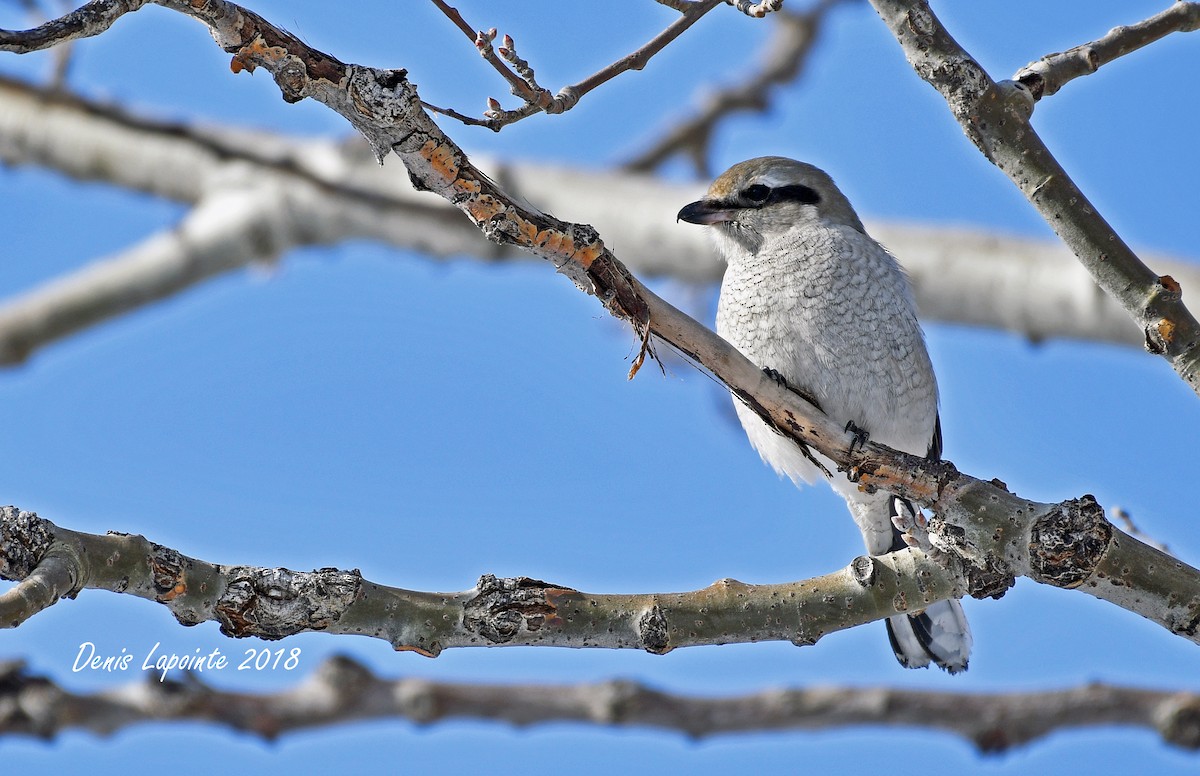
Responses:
[706,211]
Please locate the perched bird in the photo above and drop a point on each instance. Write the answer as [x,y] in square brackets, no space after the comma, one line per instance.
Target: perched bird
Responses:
[812,299]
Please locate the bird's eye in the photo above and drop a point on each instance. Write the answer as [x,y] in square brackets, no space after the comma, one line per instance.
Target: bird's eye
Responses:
[756,193]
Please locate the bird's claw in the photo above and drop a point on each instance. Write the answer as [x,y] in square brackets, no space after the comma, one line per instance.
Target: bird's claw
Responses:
[911,525]
[861,437]
[776,377]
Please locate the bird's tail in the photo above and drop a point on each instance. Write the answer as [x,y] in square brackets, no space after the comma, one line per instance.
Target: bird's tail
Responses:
[939,634]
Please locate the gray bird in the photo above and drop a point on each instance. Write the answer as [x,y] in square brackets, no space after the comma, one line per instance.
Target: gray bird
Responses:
[812,299]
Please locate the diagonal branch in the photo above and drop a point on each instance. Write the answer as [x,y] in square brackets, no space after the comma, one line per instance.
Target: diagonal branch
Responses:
[1053,71]
[483,41]
[228,230]
[342,690]
[996,118]
[792,37]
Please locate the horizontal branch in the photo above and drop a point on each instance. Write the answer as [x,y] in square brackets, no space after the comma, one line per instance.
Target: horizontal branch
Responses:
[995,116]
[342,690]
[86,21]
[51,562]
[1053,71]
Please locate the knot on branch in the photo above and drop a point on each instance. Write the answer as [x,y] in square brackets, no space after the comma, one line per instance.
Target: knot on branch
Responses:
[654,631]
[1160,331]
[1178,721]
[167,570]
[1016,98]
[500,608]
[273,603]
[1067,543]
[862,570]
[24,540]
[28,704]
[987,573]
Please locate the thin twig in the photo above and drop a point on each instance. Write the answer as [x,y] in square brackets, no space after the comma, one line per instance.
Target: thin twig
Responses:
[1050,73]
[570,95]
[1125,519]
[483,41]
[524,83]
[469,120]
[792,37]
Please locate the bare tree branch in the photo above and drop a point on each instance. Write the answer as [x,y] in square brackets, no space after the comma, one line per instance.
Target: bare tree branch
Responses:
[228,231]
[1050,73]
[84,22]
[996,118]
[483,41]
[335,191]
[538,99]
[343,690]
[52,562]
[976,549]
[792,38]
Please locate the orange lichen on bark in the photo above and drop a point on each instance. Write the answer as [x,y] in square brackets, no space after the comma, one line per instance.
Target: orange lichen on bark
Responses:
[527,232]
[588,254]
[179,589]
[555,242]
[441,160]
[556,599]
[419,650]
[1166,330]
[256,49]
[467,186]
[484,208]
[876,475]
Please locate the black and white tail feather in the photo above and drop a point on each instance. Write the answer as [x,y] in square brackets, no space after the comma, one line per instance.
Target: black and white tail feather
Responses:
[940,633]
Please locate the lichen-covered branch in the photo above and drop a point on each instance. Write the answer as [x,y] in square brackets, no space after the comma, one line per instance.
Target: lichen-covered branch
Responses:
[86,21]
[342,690]
[995,116]
[981,540]
[1053,71]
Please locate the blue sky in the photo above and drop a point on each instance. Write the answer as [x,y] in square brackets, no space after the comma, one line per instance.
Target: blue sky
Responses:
[429,422]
